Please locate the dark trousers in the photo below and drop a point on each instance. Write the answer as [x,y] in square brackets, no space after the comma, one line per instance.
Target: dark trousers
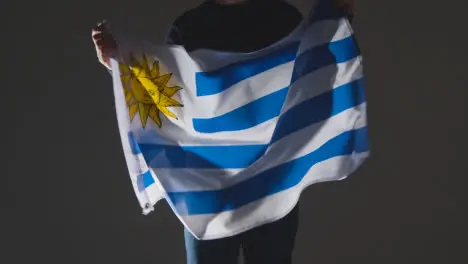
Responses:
[270,244]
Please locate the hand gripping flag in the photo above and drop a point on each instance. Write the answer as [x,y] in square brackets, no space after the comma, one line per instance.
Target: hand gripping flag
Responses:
[230,140]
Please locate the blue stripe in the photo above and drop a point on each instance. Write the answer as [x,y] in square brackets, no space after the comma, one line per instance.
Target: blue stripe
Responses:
[320,108]
[269,182]
[324,55]
[133,144]
[201,157]
[144,180]
[244,117]
[209,83]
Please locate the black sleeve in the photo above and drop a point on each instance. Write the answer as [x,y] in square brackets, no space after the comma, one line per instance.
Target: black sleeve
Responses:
[173,36]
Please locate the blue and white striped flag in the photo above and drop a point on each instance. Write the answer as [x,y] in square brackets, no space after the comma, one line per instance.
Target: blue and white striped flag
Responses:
[230,140]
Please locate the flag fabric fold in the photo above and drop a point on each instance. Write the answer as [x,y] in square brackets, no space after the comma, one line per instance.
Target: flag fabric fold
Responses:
[230,140]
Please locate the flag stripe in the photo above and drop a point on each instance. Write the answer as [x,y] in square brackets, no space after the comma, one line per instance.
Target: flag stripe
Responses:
[209,83]
[244,117]
[196,157]
[134,146]
[260,134]
[183,180]
[320,108]
[269,182]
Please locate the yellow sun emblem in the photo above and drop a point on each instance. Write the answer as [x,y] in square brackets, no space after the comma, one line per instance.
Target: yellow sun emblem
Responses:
[146,91]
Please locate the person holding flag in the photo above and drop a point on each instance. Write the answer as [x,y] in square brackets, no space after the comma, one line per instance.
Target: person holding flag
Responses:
[233,26]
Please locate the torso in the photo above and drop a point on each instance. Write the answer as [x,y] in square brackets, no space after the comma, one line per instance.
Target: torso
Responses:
[238,28]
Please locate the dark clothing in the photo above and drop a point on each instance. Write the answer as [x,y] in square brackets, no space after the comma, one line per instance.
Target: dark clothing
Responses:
[245,27]
[271,244]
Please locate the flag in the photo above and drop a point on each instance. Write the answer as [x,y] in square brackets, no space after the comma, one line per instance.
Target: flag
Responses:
[229,139]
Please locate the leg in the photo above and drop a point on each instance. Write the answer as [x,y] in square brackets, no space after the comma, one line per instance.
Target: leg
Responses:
[272,243]
[218,251]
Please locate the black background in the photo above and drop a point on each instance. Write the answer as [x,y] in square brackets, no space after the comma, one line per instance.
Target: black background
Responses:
[68,198]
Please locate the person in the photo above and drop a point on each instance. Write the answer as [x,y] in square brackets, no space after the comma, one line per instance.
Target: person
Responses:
[235,26]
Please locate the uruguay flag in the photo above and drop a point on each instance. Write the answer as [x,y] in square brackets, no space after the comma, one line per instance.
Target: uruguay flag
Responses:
[230,140]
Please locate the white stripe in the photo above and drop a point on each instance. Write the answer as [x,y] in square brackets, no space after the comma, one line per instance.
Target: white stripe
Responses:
[174,134]
[176,180]
[273,207]
[243,92]
[291,146]
[323,80]
[325,31]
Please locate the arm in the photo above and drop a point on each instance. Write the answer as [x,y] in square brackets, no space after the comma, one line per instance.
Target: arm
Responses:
[104,43]
[173,36]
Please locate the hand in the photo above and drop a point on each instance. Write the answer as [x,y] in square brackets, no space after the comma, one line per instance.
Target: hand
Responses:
[348,5]
[104,42]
